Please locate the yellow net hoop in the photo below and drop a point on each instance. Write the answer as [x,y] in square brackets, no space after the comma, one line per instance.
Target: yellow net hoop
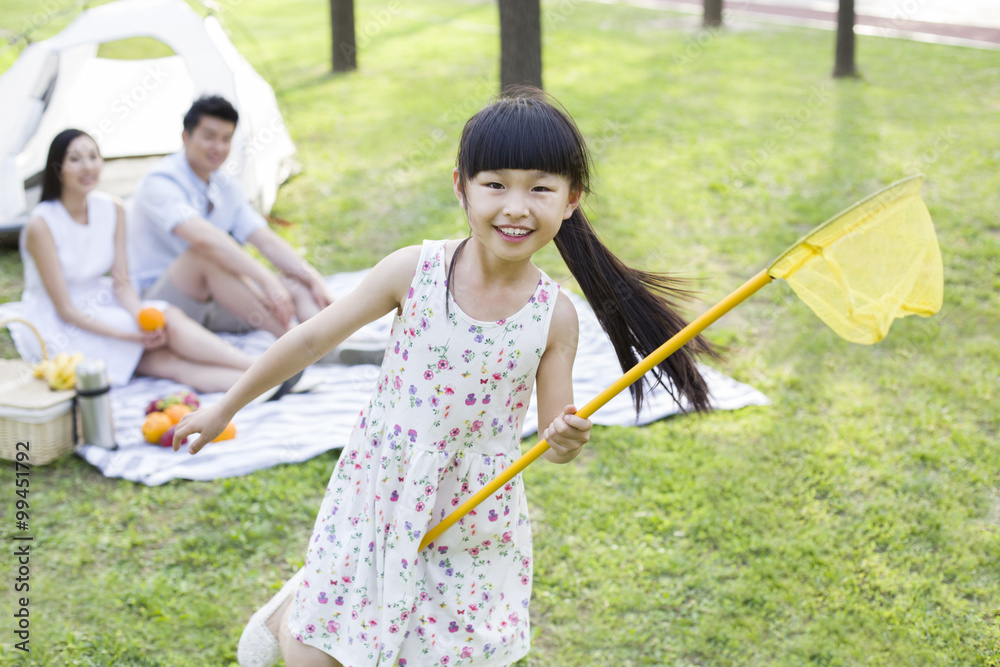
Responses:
[870,264]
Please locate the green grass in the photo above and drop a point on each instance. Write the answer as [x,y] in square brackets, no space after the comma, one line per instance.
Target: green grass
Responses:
[855,521]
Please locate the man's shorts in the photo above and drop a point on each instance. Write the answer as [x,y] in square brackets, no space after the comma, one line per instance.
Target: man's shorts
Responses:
[208,314]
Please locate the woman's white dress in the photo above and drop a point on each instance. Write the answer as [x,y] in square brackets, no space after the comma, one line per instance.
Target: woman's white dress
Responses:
[86,254]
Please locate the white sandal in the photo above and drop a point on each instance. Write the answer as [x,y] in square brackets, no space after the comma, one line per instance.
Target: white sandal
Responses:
[258,647]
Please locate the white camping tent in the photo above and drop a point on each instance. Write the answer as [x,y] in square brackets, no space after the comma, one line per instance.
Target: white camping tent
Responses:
[133,108]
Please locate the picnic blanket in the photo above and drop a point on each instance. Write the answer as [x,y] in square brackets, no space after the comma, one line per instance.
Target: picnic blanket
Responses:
[301,426]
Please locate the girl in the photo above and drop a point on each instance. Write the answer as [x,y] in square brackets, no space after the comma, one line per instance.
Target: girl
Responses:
[75,236]
[476,324]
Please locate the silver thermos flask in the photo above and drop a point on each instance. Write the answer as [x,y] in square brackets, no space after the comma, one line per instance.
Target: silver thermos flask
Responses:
[92,396]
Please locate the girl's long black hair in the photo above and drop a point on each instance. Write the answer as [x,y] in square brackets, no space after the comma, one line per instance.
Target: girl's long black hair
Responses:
[525,129]
[52,177]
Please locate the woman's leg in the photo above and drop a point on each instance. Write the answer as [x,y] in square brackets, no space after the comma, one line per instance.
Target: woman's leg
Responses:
[189,340]
[164,363]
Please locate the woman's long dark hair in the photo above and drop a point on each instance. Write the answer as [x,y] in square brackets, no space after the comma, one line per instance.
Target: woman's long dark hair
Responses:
[52,177]
[526,129]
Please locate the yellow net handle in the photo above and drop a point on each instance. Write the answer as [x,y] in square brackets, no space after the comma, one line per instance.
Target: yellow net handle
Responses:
[634,374]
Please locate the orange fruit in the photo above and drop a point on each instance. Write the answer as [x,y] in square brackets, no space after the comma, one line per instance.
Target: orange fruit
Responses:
[176,411]
[151,319]
[155,426]
[228,433]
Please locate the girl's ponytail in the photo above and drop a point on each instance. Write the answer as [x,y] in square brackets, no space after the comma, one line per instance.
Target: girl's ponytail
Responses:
[637,309]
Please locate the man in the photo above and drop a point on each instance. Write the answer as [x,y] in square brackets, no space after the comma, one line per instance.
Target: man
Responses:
[187,228]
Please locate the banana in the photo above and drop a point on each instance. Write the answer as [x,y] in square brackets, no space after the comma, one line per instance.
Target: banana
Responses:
[53,367]
[60,371]
[67,374]
[65,378]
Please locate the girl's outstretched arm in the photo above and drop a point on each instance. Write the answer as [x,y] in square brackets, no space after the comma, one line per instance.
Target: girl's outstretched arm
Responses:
[384,288]
[566,432]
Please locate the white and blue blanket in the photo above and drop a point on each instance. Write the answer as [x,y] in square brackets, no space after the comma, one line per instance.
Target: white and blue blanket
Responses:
[301,426]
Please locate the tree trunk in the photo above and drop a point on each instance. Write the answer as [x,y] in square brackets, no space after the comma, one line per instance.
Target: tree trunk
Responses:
[712,17]
[520,43]
[345,50]
[844,62]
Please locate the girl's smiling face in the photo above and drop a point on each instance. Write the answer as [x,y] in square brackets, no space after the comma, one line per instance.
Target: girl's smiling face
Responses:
[81,168]
[516,212]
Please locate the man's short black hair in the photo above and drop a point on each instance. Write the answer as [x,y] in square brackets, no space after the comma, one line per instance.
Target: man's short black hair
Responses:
[209,105]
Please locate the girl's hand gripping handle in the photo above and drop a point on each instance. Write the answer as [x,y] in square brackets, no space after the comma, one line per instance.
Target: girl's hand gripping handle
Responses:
[566,435]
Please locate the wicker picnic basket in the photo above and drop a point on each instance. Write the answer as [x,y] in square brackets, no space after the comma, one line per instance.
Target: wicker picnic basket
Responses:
[30,412]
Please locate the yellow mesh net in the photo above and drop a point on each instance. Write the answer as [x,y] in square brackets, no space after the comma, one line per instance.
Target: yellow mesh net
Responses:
[877,261]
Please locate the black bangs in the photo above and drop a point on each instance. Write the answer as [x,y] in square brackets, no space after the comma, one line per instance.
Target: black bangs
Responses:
[524,130]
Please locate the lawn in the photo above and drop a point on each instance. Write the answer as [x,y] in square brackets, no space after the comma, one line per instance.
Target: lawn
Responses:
[854,521]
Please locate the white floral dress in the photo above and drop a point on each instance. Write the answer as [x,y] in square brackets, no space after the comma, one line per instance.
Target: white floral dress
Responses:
[445,419]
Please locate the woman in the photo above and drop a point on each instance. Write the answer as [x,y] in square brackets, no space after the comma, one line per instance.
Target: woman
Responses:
[74,239]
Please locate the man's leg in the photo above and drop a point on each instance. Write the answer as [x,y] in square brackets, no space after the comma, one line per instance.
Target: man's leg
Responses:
[357,349]
[201,280]
[305,304]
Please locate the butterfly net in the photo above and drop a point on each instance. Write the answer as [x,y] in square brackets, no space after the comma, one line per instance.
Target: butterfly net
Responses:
[877,261]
